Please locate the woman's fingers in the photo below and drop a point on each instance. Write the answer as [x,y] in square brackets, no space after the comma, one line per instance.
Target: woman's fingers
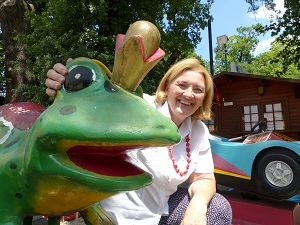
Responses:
[58,72]
[52,83]
[56,77]
[50,92]
[69,60]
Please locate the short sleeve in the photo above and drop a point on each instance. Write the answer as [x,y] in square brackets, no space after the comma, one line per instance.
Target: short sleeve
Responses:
[204,155]
[149,99]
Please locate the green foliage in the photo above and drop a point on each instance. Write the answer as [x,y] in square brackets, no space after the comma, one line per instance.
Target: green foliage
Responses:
[89,27]
[240,47]
[288,29]
[184,20]
[264,64]
[255,4]
[244,44]
[65,28]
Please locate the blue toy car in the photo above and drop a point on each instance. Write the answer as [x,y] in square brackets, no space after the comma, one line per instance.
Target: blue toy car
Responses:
[262,165]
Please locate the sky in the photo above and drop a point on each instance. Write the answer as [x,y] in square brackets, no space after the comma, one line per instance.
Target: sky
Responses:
[231,14]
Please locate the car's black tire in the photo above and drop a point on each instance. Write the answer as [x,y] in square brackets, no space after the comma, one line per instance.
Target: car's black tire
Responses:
[278,171]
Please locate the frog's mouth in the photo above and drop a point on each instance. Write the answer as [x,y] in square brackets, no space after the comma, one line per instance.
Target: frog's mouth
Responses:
[108,161]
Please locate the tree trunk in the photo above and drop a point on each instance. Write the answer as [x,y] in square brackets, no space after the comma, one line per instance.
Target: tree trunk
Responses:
[13,22]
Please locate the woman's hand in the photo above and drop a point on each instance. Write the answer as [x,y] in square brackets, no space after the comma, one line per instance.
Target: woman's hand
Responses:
[56,77]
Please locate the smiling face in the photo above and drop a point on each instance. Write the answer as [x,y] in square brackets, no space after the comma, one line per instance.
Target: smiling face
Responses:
[185,95]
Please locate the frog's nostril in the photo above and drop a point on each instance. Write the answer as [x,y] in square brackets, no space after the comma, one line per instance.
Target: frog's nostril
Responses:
[68,109]
[109,87]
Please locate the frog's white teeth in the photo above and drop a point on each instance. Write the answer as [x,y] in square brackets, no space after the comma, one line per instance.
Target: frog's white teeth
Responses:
[184,102]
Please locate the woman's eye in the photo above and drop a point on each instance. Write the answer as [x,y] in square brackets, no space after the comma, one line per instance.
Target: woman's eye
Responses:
[182,86]
[198,91]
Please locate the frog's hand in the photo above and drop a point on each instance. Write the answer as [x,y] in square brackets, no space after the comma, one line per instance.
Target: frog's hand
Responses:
[95,214]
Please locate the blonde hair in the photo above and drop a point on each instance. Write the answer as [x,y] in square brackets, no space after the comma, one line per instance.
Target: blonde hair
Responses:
[192,64]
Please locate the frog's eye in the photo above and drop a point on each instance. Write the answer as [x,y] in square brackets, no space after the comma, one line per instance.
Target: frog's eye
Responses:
[78,78]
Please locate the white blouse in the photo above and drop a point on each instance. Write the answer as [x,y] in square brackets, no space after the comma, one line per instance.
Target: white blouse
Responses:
[146,205]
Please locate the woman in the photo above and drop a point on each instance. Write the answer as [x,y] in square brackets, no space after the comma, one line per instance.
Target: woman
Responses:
[185,95]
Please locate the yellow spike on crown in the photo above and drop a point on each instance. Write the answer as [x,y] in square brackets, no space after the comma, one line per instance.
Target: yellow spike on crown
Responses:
[137,52]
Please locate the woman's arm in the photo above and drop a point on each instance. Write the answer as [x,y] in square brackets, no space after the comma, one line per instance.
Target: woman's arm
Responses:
[202,188]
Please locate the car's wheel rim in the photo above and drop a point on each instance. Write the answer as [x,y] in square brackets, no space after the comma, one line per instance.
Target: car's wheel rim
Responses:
[279,173]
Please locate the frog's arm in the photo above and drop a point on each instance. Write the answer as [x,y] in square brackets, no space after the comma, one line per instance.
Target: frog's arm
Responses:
[95,214]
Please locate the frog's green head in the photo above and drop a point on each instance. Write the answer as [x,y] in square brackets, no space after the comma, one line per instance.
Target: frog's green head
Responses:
[82,138]
[79,144]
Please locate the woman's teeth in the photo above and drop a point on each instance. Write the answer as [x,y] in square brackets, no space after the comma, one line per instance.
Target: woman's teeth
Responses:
[184,102]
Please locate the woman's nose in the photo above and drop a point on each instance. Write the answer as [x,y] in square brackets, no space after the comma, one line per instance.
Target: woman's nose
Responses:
[189,91]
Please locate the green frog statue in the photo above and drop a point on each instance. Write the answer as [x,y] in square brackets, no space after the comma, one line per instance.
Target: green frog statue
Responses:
[65,158]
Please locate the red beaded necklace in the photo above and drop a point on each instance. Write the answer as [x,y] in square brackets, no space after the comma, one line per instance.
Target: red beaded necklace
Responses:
[188,150]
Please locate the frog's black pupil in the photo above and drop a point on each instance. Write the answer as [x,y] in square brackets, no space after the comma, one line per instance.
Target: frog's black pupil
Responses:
[78,78]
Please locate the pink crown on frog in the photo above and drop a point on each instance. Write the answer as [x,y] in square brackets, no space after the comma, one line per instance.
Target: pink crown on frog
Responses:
[137,52]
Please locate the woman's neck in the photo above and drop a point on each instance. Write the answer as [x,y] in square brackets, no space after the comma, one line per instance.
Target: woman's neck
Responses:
[177,122]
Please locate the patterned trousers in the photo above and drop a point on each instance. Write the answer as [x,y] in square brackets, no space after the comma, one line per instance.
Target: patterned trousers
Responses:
[218,213]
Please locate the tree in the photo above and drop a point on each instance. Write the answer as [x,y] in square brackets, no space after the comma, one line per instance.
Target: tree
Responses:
[63,28]
[240,48]
[264,64]
[88,28]
[12,23]
[288,28]
[254,4]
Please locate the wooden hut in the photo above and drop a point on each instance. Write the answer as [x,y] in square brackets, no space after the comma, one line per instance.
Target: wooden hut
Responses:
[241,100]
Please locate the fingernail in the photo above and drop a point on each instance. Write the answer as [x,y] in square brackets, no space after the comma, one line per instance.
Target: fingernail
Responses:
[57,86]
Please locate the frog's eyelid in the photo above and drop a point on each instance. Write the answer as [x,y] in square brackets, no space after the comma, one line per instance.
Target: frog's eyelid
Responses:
[107,71]
[72,67]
